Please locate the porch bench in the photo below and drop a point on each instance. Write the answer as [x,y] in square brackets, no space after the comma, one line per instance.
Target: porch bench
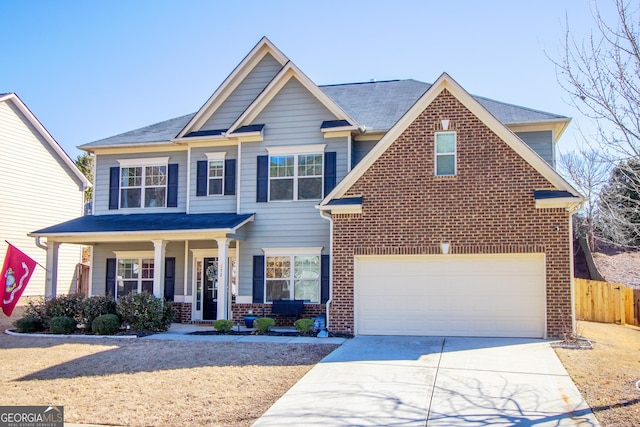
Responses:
[286,307]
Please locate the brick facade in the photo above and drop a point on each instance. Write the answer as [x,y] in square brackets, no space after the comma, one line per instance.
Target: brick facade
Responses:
[488,207]
[241,310]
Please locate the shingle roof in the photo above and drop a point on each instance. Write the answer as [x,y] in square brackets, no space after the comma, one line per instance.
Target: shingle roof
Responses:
[157,132]
[375,105]
[145,223]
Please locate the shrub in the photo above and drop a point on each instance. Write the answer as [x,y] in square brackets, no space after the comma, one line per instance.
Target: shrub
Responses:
[94,307]
[304,326]
[29,324]
[222,325]
[263,324]
[106,324]
[145,312]
[64,306]
[62,325]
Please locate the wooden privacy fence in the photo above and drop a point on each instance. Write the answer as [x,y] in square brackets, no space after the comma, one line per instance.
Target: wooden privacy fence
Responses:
[606,302]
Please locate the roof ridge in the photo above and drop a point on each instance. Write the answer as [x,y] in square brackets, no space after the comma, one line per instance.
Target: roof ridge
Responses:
[371,82]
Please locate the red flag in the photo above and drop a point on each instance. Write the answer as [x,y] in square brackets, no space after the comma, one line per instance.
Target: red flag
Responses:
[14,276]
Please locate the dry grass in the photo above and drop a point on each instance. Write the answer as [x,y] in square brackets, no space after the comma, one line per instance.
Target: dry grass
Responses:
[151,383]
[606,375]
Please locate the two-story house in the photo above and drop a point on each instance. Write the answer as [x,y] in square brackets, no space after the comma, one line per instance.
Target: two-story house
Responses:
[393,207]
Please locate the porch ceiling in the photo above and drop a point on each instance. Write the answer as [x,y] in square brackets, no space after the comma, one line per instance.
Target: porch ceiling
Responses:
[165,226]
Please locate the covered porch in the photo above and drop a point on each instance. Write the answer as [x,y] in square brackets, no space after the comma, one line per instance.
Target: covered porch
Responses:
[186,258]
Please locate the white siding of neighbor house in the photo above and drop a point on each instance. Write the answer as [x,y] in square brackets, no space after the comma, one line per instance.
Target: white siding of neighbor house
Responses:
[244,94]
[102,251]
[37,190]
[210,204]
[294,118]
[103,163]
[542,143]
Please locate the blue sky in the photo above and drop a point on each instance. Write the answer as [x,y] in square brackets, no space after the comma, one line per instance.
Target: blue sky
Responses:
[93,69]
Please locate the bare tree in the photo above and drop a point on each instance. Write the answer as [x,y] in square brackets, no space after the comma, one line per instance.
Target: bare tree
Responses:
[602,77]
[588,173]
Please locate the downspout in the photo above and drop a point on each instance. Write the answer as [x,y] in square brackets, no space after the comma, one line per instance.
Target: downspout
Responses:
[329,218]
[40,244]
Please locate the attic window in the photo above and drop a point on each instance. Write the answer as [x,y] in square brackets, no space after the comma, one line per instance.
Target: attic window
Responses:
[445,153]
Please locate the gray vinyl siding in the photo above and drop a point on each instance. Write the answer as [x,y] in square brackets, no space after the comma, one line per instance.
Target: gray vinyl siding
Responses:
[361,149]
[102,251]
[244,94]
[542,143]
[101,187]
[292,118]
[210,204]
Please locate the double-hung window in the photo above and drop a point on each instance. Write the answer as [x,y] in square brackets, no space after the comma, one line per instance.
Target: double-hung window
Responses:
[215,174]
[292,276]
[296,175]
[445,153]
[143,183]
[134,273]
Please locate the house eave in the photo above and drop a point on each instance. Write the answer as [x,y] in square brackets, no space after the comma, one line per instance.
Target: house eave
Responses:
[572,203]
[340,209]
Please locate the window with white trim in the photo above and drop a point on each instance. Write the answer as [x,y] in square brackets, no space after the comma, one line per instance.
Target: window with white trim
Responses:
[134,274]
[143,183]
[445,153]
[296,172]
[215,173]
[291,277]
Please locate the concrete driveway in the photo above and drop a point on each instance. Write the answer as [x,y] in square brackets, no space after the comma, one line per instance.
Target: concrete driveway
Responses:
[434,381]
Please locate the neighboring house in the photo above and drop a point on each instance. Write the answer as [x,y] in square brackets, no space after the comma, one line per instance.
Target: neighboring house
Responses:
[394,207]
[40,186]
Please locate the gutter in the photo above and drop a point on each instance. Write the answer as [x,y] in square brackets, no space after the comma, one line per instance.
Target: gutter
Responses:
[329,218]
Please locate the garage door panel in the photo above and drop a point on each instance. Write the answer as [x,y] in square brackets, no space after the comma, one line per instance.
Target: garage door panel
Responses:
[481,295]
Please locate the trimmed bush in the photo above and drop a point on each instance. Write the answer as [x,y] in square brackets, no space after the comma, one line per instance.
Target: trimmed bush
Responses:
[304,326]
[145,312]
[29,324]
[62,325]
[263,324]
[94,307]
[106,324]
[222,325]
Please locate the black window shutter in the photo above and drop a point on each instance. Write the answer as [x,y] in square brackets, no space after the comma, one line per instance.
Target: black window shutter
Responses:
[258,279]
[172,187]
[169,278]
[325,274]
[262,189]
[114,187]
[201,178]
[329,171]
[230,177]
[111,277]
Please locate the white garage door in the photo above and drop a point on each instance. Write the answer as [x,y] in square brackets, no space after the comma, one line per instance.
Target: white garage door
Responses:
[451,295]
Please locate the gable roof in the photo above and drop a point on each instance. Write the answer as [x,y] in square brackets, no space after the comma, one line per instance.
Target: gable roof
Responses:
[379,105]
[289,71]
[473,105]
[44,133]
[260,50]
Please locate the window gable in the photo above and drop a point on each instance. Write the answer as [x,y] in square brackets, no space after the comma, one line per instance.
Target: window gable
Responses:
[445,154]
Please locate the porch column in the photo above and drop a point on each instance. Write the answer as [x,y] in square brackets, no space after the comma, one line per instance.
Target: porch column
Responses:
[51,284]
[223,277]
[159,249]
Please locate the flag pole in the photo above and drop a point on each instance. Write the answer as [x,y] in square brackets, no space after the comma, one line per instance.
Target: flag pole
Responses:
[37,263]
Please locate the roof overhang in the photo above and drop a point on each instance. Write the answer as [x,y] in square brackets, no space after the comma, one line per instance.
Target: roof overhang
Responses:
[145,227]
[550,199]
[347,205]
[557,126]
